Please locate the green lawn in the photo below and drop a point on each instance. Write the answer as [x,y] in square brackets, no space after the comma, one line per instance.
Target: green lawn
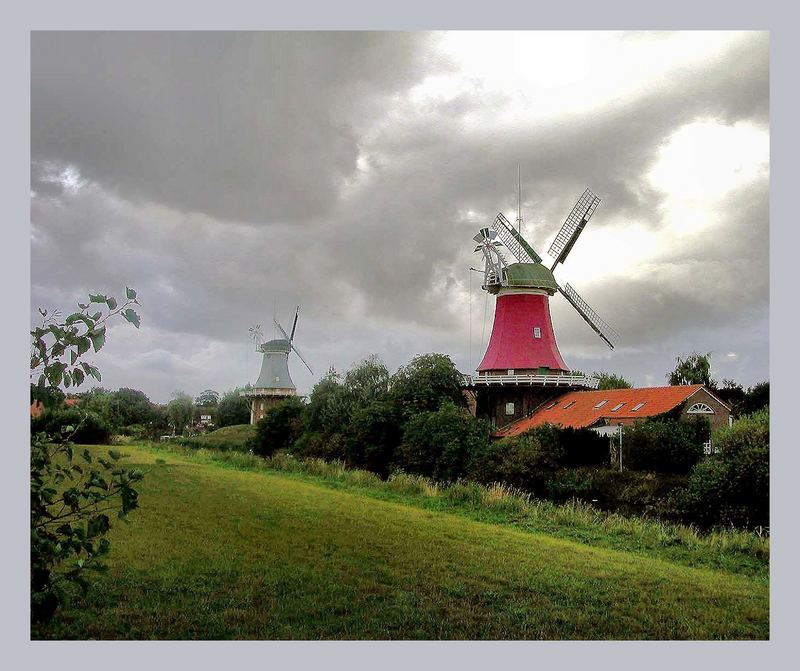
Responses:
[216,552]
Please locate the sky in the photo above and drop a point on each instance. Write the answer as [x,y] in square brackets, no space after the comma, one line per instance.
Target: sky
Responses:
[229,177]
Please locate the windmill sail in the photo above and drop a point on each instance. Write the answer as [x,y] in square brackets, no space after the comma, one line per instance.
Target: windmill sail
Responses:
[590,316]
[289,339]
[514,242]
[574,224]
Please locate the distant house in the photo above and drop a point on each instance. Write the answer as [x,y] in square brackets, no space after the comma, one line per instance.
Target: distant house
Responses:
[595,409]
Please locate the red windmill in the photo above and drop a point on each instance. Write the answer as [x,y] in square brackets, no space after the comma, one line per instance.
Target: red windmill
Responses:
[522,350]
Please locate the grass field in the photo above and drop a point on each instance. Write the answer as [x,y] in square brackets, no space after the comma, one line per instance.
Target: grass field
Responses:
[221,552]
[227,438]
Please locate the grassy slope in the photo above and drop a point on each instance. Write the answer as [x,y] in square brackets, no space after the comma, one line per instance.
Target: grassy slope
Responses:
[221,553]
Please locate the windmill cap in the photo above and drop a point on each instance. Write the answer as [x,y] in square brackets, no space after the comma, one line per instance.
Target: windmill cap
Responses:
[277,345]
[531,275]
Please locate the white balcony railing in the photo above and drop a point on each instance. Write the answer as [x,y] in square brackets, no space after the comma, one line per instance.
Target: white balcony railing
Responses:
[568,380]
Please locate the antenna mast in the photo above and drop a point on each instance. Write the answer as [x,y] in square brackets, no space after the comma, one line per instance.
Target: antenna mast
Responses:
[519,201]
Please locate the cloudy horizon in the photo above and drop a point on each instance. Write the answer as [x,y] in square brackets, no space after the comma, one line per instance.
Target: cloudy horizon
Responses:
[227,176]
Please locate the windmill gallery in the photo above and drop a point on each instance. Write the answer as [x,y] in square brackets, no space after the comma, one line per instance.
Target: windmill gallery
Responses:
[522,379]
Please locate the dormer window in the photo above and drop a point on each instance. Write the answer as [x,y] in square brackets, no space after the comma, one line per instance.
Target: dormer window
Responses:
[552,405]
[601,404]
[568,405]
[537,332]
[638,406]
[617,407]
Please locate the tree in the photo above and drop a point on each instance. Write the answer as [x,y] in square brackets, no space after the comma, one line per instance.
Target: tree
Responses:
[426,382]
[233,408]
[756,398]
[206,398]
[280,426]
[70,501]
[611,381]
[694,369]
[367,381]
[180,411]
[131,406]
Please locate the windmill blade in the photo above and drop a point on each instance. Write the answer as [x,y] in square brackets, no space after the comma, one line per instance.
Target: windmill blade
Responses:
[294,326]
[590,316]
[514,242]
[294,349]
[280,328]
[573,226]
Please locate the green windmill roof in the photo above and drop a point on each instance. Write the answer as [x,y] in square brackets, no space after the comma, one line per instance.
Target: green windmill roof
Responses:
[531,275]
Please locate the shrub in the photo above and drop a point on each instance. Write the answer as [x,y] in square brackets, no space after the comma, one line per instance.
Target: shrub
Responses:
[731,487]
[90,428]
[373,434]
[312,444]
[232,409]
[279,428]
[426,382]
[527,461]
[441,443]
[665,446]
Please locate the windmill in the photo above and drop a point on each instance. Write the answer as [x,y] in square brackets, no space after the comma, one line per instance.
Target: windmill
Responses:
[522,341]
[274,382]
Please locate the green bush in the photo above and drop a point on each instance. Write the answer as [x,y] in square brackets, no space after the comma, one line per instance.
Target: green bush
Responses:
[316,445]
[441,443]
[279,428]
[372,436]
[731,487]
[664,446]
[232,409]
[526,462]
[89,428]
[426,382]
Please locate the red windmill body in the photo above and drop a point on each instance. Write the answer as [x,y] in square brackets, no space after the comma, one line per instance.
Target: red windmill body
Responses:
[522,357]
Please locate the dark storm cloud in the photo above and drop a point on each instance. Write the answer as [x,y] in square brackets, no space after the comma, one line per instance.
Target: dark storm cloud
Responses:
[244,126]
[222,173]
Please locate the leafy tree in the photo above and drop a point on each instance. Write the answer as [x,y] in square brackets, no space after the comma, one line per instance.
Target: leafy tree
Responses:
[373,434]
[208,397]
[694,369]
[233,408]
[70,501]
[85,426]
[664,446]
[426,382]
[441,443]
[367,381]
[280,427]
[131,406]
[329,405]
[756,398]
[731,487]
[611,381]
[731,392]
[180,411]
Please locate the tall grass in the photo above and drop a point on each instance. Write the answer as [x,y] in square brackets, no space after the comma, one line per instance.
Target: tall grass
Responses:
[499,502]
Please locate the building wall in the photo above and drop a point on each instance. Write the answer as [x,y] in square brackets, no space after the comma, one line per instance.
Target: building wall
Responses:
[260,404]
[721,416]
[492,402]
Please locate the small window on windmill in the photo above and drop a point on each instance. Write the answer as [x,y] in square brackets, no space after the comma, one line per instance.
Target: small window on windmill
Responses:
[537,332]
[509,408]
[510,371]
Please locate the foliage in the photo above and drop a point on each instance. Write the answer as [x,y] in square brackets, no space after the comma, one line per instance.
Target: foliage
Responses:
[84,426]
[280,426]
[756,398]
[49,397]
[694,369]
[367,381]
[731,487]
[329,405]
[611,381]
[664,446]
[70,500]
[131,406]
[233,409]
[207,398]
[441,443]
[426,382]
[373,434]
[180,411]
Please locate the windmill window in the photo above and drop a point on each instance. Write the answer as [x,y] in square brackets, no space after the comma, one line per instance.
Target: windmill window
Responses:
[509,408]
[638,406]
[510,371]
[617,407]
[568,405]
[700,409]
[537,332]
[601,404]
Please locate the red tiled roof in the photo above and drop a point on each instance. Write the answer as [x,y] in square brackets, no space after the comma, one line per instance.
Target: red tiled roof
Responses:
[583,413]
[37,408]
